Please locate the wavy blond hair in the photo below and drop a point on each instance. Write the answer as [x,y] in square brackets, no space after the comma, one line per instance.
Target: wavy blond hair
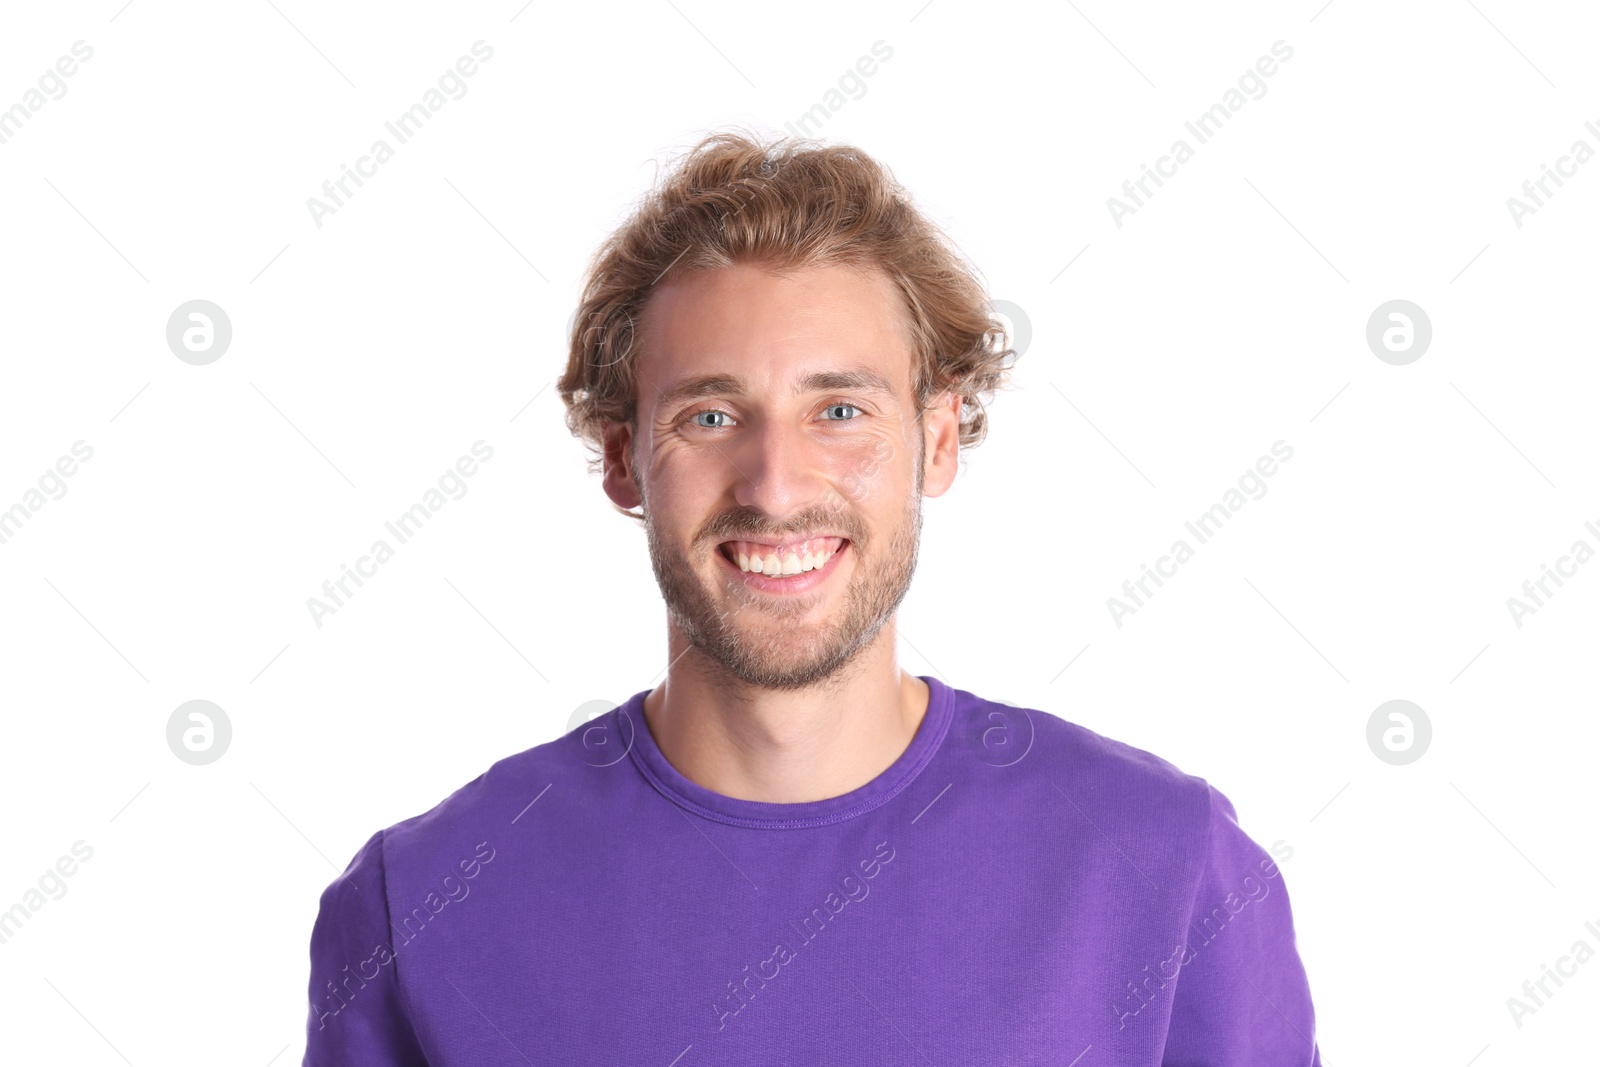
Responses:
[785,205]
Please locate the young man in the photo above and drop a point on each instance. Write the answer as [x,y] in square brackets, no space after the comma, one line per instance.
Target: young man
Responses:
[792,851]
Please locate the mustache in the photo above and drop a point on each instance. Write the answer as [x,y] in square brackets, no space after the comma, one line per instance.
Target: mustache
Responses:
[750,523]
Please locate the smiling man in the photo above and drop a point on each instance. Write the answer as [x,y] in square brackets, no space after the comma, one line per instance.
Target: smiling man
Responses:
[767,397]
[792,850]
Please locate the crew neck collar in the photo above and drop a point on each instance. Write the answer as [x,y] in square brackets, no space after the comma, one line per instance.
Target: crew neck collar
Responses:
[756,814]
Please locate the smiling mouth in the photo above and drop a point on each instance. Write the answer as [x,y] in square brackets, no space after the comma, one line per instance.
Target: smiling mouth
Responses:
[783,561]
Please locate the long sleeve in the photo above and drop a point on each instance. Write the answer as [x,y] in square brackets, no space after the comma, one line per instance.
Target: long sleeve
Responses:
[358,1015]
[1242,997]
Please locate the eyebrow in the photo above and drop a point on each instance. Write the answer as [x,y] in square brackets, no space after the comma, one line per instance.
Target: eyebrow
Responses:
[860,381]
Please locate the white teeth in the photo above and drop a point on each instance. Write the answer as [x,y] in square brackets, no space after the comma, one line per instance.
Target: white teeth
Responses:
[789,564]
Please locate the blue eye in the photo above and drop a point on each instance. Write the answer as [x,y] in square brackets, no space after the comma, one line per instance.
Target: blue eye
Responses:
[836,407]
[696,416]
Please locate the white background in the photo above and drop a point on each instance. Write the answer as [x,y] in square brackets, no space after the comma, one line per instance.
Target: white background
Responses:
[1167,355]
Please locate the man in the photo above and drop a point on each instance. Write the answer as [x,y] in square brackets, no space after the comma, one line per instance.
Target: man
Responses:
[792,851]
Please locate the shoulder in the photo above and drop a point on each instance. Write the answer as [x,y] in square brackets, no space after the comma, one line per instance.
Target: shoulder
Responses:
[1124,792]
[496,811]
[1045,742]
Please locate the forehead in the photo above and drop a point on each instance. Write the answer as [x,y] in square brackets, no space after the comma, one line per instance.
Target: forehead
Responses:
[772,330]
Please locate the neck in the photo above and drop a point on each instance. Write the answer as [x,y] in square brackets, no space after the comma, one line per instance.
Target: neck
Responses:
[786,746]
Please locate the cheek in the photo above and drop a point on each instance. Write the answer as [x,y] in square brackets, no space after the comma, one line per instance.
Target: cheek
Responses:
[872,472]
[681,475]
[686,489]
[676,496]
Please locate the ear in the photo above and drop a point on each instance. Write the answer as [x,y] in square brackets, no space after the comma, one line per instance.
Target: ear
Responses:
[618,465]
[941,443]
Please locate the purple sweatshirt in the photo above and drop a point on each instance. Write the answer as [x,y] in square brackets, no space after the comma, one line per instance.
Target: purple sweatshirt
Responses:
[1014,889]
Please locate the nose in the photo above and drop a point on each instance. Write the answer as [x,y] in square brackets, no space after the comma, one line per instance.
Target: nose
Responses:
[780,467]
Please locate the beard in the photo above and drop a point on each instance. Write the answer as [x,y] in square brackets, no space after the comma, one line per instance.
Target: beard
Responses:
[758,638]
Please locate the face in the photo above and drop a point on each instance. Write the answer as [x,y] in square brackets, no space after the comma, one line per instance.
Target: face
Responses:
[776,431]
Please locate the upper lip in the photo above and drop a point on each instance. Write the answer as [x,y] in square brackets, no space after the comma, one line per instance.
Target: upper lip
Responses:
[785,543]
